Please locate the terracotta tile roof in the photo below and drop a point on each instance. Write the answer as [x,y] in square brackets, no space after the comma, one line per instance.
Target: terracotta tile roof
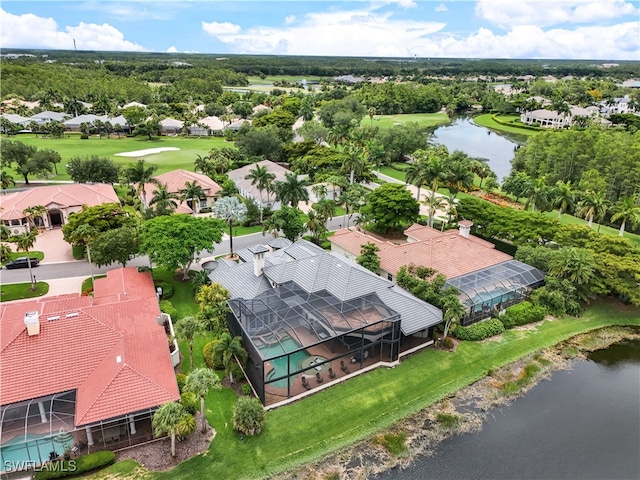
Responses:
[448,252]
[109,348]
[57,196]
[238,176]
[175,181]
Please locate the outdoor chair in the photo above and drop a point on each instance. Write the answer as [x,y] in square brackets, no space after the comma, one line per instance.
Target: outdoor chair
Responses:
[305,383]
[344,367]
[332,374]
[319,377]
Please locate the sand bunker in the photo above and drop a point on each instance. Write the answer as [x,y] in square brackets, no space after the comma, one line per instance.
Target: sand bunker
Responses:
[148,151]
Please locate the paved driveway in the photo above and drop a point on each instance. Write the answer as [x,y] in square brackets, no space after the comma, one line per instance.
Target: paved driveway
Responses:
[55,249]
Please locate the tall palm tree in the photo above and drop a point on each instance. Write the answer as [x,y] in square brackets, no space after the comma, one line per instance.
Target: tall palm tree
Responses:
[167,419]
[292,191]
[371,111]
[433,203]
[200,381]
[537,194]
[187,328]
[326,209]
[452,312]
[594,205]
[141,174]
[201,164]
[192,193]
[315,225]
[459,176]
[6,180]
[231,210]
[84,234]
[452,211]
[627,210]
[416,174]
[320,191]
[25,242]
[481,169]
[355,161]
[38,211]
[262,179]
[563,197]
[164,201]
[230,350]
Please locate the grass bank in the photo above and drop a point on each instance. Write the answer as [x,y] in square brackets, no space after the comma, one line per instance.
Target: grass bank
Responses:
[357,409]
[486,120]
[19,291]
[422,119]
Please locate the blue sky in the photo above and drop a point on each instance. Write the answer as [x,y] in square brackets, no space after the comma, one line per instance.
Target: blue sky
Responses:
[571,29]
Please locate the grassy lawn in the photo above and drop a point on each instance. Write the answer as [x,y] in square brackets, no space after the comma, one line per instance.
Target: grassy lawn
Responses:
[88,282]
[18,291]
[393,173]
[485,120]
[356,409]
[239,230]
[32,254]
[422,119]
[567,219]
[72,146]
[268,80]
[182,297]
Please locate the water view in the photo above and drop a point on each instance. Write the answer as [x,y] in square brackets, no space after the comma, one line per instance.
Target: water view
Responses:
[580,424]
[477,141]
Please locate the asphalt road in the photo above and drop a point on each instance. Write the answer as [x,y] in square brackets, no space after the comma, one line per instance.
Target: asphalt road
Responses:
[81,268]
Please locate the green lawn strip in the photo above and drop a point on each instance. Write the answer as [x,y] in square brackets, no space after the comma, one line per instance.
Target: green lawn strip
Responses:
[485,120]
[239,230]
[32,254]
[393,173]
[422,119]
[182,297]
[72,146]
[331,419]
[269,79]
[18,291]
[88,282]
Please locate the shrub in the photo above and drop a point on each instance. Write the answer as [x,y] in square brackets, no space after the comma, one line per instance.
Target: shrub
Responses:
[393,442]
[522,314]
[210,358]
[237,372]
[479,331]
[248,416]
[447,343]
[167,307]
[448,420]
[181,378]
[190,402]
[246,389]
[84,136]
[167,290]
[205,210]
[86,463]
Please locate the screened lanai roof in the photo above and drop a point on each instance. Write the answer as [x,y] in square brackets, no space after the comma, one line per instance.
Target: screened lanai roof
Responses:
[505,277]
[287,318]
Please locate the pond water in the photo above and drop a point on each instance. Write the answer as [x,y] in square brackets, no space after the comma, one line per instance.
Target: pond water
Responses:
[581,424]
[478,141]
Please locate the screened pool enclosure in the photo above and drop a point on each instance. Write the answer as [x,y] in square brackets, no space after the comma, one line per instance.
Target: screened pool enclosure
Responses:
[296,340]
[495,288]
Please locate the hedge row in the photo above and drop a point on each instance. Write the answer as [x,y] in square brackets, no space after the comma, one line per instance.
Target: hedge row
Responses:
[522,314]
[167,307]
[84,464]
[480,330]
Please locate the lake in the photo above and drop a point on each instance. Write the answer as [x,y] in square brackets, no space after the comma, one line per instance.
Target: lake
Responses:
[583,423]
[477,141]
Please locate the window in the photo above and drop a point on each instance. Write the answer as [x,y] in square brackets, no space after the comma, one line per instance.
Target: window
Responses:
[203,203]
[389,277]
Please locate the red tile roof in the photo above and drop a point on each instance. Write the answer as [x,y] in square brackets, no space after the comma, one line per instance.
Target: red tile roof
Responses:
[175,181]
[57,196]
[448,252]
[110,349]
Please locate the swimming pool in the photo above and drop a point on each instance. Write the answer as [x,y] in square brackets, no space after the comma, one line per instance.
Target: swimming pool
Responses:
[34,448]
[286,345]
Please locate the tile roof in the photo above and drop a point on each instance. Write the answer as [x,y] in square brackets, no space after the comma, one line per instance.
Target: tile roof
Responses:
[108,348]
[448,252]
[57,196]
[175,181]
[245,186]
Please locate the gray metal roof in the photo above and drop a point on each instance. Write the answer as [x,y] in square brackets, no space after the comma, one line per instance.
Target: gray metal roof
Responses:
[303,249]
[240,280]
[280,242]
[258,249]
[244,255]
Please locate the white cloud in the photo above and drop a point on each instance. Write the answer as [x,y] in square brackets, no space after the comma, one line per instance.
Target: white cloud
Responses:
[224,28]
[172,49]
[506,13]
[441,8]
[402,3]
[289,19]
[30,31]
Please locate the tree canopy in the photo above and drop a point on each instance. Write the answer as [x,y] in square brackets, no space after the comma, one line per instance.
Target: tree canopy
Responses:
[102,218]
[391,207]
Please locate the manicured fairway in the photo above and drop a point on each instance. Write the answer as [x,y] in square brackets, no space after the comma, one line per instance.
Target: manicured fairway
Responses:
[72,146]
[422,119]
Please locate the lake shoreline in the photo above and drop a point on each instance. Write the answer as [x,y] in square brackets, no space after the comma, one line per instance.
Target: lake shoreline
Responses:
[463,411]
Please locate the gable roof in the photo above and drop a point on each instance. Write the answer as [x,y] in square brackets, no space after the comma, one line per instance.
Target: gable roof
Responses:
[57,196]
[448,252]
[108,348]
[176,179]
[245,186]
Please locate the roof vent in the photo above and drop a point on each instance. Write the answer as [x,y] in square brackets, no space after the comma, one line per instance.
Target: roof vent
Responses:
[32,321]
[51,319]
[70,315]
[118,359]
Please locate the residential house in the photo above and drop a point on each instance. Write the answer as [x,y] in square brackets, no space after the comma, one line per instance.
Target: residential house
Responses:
[553,119]
[618,105]
[235,126]
[171,126]
[47,116]
[59,200]
[248,190]
[308,318]
[207,126]
[457,255]
[133,104]
[84,371]
[73,124]
[175,181]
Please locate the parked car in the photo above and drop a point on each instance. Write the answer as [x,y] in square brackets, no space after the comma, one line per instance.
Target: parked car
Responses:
[21,262]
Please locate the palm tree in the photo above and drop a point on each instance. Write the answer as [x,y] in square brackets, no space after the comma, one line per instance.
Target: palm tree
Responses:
[452,312]
[376,153]
[563,197]
[326,209]
[199,279]
[481,169]
[210,295]
[187,328]
[452,212]
[200,381]
[593,205]
[141,174]
[292,191]
[354,162]
[538,195]
[230,349]
[416,174]
[25,242]
[627,210]
[320,191]
[201,164]
[6,180]
[165,202]
[191,192]
[263,180]
[32,213]
[167,419]
[574,264]
[459,176]
[433,203]
[231,210]
[371,111]
[315,225]
[84,234]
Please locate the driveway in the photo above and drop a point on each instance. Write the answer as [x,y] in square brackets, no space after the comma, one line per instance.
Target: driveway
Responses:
[55,249]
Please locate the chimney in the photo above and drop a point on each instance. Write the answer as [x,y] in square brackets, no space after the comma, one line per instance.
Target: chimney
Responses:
[465,227]
[258,252]
[32,321]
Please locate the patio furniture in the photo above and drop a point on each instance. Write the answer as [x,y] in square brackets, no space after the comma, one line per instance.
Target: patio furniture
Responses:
[344,367]
[305,383]
[319,377]
[332,374]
